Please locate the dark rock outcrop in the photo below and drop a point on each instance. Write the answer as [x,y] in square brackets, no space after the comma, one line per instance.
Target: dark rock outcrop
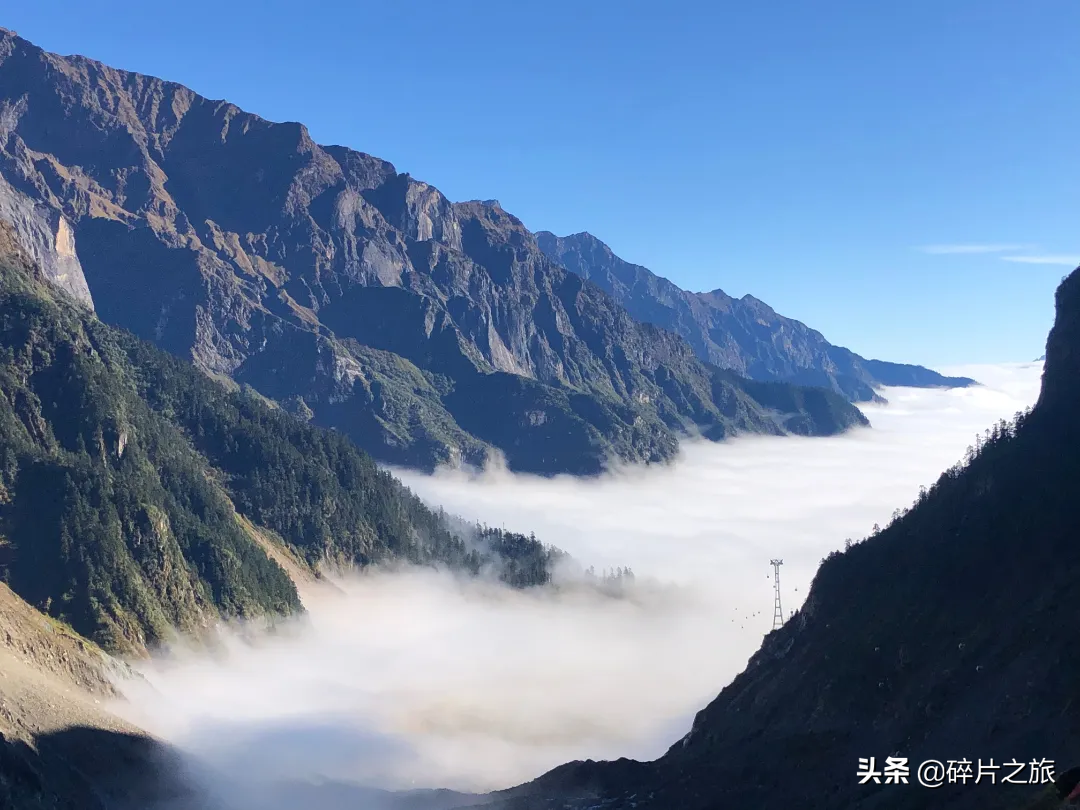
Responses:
[426,330]
[742,334]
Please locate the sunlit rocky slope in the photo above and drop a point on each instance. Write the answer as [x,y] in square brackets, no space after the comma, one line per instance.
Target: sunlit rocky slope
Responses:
[362,299]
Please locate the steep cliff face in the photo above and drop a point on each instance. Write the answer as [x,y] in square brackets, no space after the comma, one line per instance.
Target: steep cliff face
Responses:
[322,275]
[48,238]
[742,334]
[951,634]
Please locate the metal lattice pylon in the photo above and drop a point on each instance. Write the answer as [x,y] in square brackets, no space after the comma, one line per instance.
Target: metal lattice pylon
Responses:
[778,612]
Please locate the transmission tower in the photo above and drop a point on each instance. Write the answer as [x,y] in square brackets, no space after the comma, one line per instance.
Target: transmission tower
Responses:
[778,613]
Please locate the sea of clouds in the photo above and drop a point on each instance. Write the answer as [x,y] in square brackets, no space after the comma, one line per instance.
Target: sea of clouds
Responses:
[421,679]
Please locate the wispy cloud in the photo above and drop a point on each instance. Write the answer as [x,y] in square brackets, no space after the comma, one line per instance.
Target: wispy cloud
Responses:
[1020,253]
[943,250]
[1065,259]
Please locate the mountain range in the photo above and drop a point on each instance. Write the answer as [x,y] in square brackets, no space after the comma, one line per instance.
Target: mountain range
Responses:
[362,299]
[742,334]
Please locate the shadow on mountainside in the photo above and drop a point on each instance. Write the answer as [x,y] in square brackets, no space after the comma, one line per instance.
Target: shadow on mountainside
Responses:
[83,768]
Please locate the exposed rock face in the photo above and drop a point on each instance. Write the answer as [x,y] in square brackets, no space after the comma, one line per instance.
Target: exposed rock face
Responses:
[949,635]
[742,334]
[429,331]
[46,235]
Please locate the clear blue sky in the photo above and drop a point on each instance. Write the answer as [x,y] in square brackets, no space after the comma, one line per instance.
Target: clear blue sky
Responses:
[804,152]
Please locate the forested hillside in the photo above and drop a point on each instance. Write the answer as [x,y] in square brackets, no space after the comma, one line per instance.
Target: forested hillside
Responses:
[124,470]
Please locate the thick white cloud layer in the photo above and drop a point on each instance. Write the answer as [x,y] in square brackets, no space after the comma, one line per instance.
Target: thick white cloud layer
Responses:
[421,679]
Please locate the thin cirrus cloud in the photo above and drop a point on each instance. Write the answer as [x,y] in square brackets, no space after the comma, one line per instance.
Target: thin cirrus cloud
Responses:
[1064,259]
[1018,253]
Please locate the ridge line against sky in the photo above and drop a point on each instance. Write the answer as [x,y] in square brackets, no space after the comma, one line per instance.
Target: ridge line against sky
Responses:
[794,153]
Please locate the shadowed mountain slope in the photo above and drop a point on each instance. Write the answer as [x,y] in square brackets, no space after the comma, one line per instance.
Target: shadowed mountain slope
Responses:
[59,747]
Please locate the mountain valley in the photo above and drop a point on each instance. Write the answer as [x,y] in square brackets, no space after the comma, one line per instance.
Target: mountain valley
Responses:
[320,489]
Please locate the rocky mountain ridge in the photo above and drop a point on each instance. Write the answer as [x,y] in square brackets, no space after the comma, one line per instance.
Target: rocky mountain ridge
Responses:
[428,331]
[744,334]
